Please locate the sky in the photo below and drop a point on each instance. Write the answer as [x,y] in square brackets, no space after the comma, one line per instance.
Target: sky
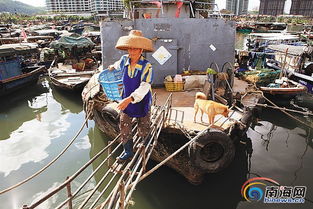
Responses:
[221,3]
[36,3]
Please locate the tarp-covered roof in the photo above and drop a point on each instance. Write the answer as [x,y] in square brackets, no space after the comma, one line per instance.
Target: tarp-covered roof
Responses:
[72,41]
[292,50]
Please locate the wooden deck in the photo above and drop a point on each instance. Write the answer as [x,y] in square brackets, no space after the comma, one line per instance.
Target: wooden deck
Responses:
[220,121]
[183,112]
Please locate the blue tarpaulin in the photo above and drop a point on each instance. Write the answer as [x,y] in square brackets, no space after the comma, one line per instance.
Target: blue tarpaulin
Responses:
[10,69]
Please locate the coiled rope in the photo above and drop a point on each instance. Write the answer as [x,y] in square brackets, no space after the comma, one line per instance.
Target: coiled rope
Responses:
[50,163]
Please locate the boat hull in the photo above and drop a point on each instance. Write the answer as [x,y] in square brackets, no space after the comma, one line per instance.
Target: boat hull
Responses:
[10,85]
[304,80]
[66,87]
[71,82]
[283,93]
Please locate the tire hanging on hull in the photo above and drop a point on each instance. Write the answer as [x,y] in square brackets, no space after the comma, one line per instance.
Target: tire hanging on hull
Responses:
[212,152]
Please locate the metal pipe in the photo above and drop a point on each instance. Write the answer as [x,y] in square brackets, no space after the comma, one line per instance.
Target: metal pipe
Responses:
[102,192]
[148,156]
[109,163]
[69,194]
[104,177]
[141,158]
[122,192]
[86,181]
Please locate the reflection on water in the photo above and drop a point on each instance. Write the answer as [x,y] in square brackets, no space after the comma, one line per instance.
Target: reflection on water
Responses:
[24,105]
[69,100]
[98,141]
[35,127]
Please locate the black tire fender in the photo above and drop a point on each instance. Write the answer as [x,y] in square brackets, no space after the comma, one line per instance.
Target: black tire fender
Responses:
[111,116]
[212,152]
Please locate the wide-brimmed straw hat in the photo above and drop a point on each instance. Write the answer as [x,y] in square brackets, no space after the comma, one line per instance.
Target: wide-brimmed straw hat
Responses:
[135,39]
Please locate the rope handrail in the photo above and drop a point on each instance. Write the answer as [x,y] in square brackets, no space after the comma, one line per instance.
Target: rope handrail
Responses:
[285,109]
[281,109]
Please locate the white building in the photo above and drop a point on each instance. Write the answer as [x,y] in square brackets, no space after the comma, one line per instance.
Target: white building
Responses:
[68,6]
[107,7]
[104,7]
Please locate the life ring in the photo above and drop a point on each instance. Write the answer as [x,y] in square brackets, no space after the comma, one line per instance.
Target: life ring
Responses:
[212,152]
[111,116]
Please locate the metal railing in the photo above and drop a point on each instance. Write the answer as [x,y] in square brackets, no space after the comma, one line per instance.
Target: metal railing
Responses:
[123,177]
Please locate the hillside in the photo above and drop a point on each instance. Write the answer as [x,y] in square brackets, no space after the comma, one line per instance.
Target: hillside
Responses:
[19,7]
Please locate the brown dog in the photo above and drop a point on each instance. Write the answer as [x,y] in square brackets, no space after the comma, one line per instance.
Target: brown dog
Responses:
[209,107]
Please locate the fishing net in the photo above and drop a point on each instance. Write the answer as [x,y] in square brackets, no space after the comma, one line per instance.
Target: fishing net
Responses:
[261,77]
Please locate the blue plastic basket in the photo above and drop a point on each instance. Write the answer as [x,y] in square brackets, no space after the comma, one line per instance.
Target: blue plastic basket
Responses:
[111,82]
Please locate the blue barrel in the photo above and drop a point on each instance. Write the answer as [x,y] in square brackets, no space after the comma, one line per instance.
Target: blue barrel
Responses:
[112,84]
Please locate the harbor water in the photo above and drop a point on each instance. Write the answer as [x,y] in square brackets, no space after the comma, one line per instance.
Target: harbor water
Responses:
[38,122]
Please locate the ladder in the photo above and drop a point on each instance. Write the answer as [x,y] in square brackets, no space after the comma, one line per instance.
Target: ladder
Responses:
[120,180]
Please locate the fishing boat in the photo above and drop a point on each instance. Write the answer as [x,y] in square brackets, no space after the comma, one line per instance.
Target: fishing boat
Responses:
[263,27]
[18,67]
[270,82]
[296,62]
[245,27]
[284,86]
[72,81]
[215,150]
[73,67]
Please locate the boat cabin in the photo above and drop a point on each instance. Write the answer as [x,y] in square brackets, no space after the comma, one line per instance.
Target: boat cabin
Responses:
[296,62]
[18,66]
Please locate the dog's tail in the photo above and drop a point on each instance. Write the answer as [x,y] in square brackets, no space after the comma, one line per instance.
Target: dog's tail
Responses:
[200,95]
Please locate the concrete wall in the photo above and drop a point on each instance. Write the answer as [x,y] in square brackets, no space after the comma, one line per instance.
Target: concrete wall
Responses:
[187,39]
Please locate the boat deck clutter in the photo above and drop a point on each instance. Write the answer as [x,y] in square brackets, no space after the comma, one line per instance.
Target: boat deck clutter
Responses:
[179,128]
